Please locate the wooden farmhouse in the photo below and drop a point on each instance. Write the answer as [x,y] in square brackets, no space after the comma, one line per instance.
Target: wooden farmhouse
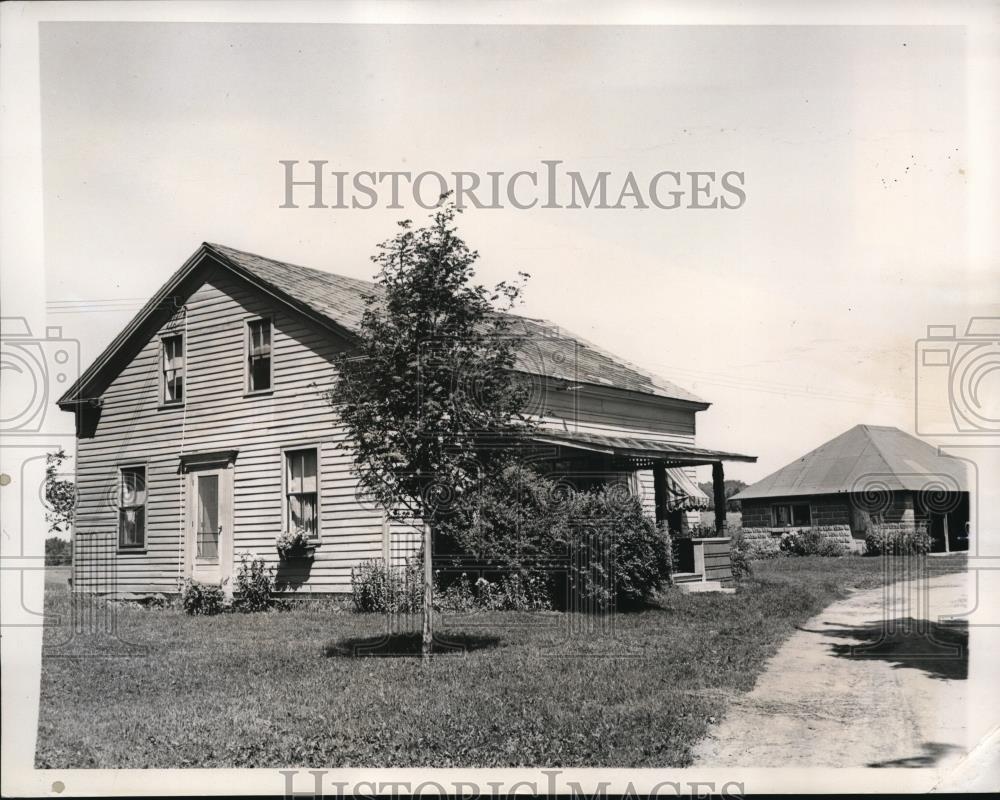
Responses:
[866,475]
[203,432]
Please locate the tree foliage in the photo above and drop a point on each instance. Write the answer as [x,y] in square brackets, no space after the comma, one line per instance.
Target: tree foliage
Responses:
[429,383]
[58,552]
[60,494]
[594,548]
[731,487]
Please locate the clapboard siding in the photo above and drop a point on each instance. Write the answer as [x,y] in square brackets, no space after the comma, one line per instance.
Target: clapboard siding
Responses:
[134,429]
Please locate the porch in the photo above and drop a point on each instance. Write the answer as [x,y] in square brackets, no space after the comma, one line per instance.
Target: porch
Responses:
[698,560]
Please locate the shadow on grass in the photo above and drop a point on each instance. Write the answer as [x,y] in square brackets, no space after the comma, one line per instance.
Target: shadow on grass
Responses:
[933,753]
[407,645]
[941,651]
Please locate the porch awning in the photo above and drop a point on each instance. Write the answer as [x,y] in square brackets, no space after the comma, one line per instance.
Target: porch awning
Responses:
[683,493]
[640,452]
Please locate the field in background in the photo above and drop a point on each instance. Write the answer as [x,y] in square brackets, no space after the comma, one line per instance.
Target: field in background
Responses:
[161,689]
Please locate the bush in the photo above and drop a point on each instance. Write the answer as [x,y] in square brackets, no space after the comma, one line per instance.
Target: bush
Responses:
[616,555]
[810,543]
[254,585]
[509,593]
[883,540]
[376,587]
[739,556]
[527,526]
[201,599]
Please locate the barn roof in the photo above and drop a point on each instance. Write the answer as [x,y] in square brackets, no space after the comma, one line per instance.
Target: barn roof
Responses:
[546,349]
[866,457]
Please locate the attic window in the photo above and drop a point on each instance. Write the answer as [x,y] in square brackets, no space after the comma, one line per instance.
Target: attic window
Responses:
[173,368]
[258,355]
[791,515]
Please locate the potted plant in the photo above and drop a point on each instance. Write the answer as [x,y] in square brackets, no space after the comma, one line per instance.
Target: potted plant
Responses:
[295,544]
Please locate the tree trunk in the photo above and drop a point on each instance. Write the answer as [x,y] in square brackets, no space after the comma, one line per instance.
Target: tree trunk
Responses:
[428,640]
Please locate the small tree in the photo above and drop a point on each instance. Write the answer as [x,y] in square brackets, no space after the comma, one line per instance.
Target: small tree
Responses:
[430,381]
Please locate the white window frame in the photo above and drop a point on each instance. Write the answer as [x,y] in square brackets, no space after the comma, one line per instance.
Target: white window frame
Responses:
[249,392]
[286,451]
[164,400]
[119,494]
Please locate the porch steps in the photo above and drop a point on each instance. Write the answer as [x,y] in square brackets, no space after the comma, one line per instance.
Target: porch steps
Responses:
[691,582]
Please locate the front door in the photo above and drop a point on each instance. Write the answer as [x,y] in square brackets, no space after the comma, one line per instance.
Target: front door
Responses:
[210,527]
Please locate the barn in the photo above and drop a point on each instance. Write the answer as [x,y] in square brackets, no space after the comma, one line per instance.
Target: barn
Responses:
[867,475]
[203,432]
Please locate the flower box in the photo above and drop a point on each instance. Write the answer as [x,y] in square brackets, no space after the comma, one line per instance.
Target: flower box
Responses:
[294,546]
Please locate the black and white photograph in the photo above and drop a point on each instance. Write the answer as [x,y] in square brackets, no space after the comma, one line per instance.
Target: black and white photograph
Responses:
[418,398]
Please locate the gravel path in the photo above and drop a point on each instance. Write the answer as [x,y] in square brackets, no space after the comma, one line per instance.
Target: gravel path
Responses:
[873,680]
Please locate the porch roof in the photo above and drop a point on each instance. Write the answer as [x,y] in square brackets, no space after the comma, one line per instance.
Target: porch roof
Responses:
[646,451]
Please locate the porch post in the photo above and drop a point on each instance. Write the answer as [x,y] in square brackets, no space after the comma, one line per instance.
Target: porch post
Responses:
[660,494]
[719,491]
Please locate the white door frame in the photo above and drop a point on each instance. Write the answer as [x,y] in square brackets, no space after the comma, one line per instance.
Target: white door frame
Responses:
[219,571]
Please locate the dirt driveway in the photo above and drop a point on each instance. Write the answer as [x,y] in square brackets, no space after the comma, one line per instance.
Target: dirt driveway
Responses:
[872,681]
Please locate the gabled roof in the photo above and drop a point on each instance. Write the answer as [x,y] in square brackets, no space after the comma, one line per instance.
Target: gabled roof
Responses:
[339,302]
[865,457]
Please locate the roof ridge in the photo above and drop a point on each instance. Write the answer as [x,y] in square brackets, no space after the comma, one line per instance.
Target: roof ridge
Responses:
[879,450]
[222,248]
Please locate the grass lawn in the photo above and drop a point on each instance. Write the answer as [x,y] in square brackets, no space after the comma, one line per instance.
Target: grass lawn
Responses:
[283,689]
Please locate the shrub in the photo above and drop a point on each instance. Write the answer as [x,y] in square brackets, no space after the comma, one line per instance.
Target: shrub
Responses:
[881,539]
[810,543]
[615,553]
[739,556]
[386,589]
[254,585]
[509,593]
[519,522]
[202,599]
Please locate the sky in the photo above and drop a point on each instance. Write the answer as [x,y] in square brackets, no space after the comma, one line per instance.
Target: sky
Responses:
[795,315]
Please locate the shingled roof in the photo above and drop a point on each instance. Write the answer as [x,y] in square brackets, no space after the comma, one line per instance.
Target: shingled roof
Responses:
[553,351]
[546,349]
[866,456]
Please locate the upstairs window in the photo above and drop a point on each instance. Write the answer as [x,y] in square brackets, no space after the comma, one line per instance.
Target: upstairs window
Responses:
[132,508]
[302,491]
[173,368]
[792,515]
[258,355]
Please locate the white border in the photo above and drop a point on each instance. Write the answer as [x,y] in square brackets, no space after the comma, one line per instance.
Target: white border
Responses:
[23,293]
